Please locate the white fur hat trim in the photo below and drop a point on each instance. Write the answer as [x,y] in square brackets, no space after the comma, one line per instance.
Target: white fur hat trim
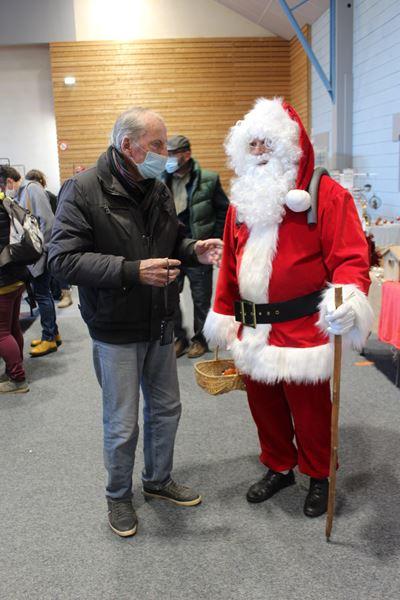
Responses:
[298,200]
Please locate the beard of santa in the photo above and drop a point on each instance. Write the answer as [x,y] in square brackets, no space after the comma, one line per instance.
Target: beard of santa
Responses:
[259,193]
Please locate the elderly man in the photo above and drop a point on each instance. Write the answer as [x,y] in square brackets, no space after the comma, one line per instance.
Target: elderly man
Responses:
[201,206]
[274,303]
[117,236]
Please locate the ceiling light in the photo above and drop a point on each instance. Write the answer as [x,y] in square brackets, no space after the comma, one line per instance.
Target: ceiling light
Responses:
[69,80]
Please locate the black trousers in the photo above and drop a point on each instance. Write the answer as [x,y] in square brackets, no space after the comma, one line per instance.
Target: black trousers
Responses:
[200,279]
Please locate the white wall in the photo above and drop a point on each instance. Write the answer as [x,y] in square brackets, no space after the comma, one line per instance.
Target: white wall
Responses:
[152,19]
[321,105]
[43,21]
[36,21]
[27,122]
[377,97]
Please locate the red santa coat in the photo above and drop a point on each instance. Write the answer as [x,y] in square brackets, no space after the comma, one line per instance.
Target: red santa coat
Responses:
[287,260]
[307,258]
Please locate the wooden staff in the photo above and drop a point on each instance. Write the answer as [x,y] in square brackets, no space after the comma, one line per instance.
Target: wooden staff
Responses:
[334,421]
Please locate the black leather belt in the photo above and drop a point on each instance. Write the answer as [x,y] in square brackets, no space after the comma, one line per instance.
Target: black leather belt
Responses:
[251,314]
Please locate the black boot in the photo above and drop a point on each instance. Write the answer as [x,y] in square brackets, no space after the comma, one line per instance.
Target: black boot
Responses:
[316,502]
[269,485]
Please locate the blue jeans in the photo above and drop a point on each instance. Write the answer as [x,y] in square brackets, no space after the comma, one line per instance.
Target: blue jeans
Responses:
[121,370]
[47,311]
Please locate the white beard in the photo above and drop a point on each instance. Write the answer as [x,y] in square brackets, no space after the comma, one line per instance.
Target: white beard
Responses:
[259,195]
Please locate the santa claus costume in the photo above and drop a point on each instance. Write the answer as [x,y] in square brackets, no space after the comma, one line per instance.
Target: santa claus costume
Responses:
[274,304]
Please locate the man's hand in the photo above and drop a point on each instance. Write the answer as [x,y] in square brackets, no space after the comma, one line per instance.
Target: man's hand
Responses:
[158,271]
[209,252]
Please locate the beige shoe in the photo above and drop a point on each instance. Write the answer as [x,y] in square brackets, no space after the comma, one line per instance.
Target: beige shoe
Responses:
[13,387]
[45,347]
[66,299]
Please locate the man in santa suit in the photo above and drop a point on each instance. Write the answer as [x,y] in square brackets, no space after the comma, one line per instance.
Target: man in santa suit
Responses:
[274,305]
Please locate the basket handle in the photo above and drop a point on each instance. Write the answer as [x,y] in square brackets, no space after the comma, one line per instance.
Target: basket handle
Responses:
[216,353]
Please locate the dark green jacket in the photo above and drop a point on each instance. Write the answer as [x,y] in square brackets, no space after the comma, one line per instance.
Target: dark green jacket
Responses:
[207,204]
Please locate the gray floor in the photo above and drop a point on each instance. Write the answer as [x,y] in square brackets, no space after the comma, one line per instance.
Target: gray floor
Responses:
[56,544]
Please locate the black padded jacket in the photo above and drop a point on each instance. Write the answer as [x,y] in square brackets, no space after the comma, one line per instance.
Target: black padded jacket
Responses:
[100,234]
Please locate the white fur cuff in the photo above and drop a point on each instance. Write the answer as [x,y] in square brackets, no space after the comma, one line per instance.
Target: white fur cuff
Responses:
[357,336]
[220,330]
[298,200]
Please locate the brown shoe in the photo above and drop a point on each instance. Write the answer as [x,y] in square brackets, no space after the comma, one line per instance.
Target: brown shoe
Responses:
[57,340]
[181,347]
[45,347]
[197,349]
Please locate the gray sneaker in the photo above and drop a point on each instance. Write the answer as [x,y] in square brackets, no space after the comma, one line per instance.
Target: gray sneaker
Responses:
[176,493]
[122,517]
[13,387]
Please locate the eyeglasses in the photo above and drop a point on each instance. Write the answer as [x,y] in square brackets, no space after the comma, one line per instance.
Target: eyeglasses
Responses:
[267,144]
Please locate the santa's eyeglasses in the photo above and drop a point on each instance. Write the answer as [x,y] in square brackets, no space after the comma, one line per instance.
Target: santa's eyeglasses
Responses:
[266,144]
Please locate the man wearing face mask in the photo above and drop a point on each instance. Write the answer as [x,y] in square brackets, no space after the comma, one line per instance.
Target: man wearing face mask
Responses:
[13,181]
[116,235]
[201,205]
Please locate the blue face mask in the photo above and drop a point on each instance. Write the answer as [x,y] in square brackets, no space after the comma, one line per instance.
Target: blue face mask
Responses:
[172,164]
[152,166]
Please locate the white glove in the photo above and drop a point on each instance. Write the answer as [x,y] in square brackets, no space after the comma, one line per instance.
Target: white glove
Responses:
[352,320]
[340,320]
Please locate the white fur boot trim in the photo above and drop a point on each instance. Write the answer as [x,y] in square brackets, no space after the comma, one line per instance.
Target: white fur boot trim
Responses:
[357,336]
[298,200]
[220,330]
[271,364]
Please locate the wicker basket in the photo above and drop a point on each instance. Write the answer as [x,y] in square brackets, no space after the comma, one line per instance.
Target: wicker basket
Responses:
[209,376]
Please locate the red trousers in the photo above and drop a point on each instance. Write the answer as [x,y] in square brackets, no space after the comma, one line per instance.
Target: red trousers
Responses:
[288,411]
[11,338]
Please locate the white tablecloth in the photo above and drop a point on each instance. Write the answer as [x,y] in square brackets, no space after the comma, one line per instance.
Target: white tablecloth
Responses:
[386,235]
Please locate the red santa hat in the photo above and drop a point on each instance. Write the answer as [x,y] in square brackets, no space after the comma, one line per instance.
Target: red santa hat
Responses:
[299,199]
[277,121]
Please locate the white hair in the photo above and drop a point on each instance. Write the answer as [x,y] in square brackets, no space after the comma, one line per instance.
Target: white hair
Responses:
[268,120]
[132,124]
[259,191]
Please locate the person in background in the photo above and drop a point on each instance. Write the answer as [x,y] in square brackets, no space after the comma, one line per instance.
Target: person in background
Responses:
[12,279]
[201,206]
[116,235]
[61,290]
[12,179]
[39,176]
[32,196]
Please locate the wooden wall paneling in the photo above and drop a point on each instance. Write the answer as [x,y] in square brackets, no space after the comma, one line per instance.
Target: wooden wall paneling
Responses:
[200,86]
[300,79]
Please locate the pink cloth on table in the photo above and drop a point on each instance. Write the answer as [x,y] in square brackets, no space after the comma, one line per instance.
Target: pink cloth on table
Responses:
[389,321]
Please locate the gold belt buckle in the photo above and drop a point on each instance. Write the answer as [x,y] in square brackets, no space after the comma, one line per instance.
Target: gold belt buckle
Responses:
[243,304]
